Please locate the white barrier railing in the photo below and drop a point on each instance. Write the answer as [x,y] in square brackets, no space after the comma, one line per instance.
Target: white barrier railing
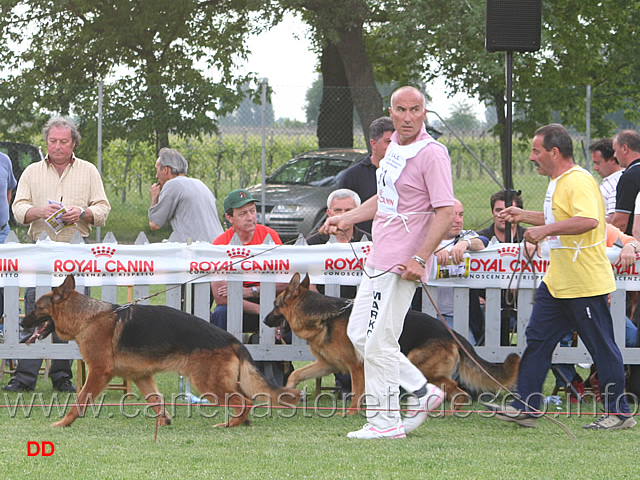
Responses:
[110,266]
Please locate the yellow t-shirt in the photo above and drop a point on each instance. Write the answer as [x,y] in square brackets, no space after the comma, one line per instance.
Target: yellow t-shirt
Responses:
[578,263]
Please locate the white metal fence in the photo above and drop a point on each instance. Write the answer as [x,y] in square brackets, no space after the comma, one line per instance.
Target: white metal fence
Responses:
[198,295]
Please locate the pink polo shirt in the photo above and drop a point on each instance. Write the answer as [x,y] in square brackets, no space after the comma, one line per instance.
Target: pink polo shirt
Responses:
[424,184]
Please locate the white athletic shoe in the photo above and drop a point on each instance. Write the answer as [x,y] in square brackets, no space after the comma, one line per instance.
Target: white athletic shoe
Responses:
[417,413]
[611,422]
[369,432]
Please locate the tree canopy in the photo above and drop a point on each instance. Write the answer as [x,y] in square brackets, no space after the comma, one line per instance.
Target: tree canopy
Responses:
[583,43]
[415,41]
[338,29]
[167,66]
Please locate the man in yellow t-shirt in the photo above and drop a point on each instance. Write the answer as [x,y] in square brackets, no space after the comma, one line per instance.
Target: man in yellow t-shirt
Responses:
[573,293]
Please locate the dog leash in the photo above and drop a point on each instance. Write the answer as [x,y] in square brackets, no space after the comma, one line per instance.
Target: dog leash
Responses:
[483,370]
[451,332]
[180,285]
[350,304]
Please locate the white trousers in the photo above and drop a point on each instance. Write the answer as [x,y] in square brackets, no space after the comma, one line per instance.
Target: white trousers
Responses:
[375,325]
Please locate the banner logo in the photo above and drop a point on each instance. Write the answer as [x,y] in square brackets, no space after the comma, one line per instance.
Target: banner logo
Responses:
[509,251]
[103,265]
[238,253]
[103,251]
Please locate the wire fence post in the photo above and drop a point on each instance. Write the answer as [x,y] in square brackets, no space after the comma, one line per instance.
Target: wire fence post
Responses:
[99,142]
[263,101]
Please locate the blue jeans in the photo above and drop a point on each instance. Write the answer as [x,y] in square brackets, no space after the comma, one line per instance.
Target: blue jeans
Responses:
[27,369]
[250,322]
[550,321]
[449,320]
[569,370]
[4,232]
[3,236]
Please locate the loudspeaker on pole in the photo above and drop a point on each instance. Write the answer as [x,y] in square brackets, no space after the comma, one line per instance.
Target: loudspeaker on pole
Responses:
[513,25]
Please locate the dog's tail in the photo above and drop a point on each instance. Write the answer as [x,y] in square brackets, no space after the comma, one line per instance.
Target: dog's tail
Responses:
[253,385]
[472,375]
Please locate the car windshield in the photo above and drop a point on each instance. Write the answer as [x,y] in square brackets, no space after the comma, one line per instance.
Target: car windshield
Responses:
[309,171]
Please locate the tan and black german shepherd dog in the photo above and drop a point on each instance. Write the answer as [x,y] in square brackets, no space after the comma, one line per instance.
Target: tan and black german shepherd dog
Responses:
[426,341]
[140,340]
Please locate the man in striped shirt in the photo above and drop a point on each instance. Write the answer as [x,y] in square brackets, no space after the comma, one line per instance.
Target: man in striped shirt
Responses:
[605,163]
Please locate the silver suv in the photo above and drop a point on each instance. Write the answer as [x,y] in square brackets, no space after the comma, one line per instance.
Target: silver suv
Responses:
[296,193]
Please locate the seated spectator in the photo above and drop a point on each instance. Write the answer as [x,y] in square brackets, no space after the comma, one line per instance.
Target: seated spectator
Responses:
[340,201]
[498,229]
[452,251]
[240,212]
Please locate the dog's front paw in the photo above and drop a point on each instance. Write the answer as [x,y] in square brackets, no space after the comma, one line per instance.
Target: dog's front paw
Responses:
[164,421]
[348,411]
[61,423]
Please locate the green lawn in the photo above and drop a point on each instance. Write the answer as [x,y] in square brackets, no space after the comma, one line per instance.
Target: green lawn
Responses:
[305,444]
[118,444]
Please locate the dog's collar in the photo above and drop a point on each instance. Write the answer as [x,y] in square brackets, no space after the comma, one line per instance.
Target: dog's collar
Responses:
[347,306]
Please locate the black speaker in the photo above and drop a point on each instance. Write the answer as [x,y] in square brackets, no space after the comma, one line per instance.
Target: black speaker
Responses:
[513,25]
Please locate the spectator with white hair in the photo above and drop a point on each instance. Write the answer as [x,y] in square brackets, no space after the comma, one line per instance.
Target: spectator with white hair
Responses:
[340,201]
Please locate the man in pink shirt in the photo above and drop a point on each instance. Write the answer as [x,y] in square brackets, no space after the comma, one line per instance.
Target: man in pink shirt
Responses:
[412,212]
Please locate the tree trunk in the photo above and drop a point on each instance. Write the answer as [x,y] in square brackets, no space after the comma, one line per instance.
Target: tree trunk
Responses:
[359,71]
[162,139]
[335,119]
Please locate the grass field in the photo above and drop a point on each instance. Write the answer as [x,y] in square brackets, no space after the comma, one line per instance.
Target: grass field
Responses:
[117,442]
[303,445]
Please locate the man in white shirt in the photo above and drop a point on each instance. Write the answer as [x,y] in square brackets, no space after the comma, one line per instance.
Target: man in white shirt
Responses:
[605,163]
[451,251]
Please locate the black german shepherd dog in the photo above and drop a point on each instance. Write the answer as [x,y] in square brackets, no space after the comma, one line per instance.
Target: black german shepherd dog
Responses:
[426,341]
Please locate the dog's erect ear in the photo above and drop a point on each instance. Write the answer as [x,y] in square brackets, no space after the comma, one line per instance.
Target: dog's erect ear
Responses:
[69,283]
[63,291]
[305,283]
[293,287]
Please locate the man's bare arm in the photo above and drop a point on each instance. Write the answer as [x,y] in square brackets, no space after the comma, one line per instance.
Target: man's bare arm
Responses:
[365,211]
[518,215]
[620,220]
[438,228]
[570,226]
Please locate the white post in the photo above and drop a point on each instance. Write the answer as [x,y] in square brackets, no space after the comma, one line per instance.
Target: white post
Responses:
[99,141]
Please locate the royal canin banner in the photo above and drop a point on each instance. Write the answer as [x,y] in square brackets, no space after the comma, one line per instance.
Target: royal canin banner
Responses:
[504,265]
[48,262]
